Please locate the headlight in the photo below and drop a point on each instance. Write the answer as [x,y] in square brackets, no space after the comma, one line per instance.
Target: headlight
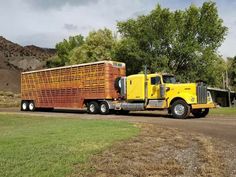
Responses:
[209,98]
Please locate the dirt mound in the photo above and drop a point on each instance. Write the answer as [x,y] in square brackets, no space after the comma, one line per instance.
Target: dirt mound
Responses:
[42,53]
[161,152]
[15,58]
[10,49]
[10,80]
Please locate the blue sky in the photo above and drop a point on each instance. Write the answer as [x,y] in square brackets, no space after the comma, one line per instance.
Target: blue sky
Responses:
[46,22]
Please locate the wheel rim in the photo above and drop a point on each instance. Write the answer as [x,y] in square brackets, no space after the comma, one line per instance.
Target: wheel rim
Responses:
[92,108]
[31,106]
[24,106]
[103,108]
[179,109]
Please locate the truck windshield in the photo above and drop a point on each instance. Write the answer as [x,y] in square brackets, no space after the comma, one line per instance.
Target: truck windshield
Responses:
[169,79]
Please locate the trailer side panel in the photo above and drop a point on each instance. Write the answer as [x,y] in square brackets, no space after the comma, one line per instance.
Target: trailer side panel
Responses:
[69,87]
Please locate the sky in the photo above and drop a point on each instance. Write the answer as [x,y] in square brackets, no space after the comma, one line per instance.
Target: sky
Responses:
[46,22]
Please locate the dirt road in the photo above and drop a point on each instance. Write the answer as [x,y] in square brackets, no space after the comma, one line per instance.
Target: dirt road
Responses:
[215,126]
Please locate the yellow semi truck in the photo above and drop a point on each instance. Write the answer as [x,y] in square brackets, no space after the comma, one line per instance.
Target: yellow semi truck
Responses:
[102,87]
[161,91]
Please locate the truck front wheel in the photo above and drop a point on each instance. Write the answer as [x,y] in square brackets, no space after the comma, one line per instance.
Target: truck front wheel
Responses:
[200,112]
[180,109]
[104,108]
[93,107]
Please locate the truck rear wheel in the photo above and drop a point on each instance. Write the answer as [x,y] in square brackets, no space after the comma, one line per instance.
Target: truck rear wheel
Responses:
[180,109]
[24,105]
[104,108]
[200,112]
[93,107]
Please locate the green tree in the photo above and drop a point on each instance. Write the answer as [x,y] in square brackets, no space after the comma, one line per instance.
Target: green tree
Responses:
[63,50]
[183,42]
[231,63]
[99,45]
[127,51]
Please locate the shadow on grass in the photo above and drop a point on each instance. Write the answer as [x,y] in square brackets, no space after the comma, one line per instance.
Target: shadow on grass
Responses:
[132,114]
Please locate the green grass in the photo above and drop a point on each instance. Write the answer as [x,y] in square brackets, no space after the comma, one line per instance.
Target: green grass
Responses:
[49,146]
[224,111]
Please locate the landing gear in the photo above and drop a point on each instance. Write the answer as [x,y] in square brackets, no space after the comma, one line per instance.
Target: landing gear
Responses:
[200,112]
[180,109]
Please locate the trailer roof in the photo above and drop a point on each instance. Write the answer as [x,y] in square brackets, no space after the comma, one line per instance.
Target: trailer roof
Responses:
[71,66]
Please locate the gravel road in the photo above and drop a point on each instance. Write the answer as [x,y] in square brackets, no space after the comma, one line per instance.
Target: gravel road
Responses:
[216,126]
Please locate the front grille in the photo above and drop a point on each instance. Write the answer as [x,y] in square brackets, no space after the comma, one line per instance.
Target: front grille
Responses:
[201,93]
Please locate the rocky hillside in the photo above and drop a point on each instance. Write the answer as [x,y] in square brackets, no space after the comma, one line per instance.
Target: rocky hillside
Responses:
[15,58]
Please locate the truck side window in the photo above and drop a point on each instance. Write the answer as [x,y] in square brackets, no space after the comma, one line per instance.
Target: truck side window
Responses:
[155,80]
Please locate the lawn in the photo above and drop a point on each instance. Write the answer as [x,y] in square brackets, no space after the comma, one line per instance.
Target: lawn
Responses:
[224,111]
[49,146]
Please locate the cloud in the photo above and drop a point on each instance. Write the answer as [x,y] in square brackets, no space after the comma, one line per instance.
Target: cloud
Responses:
[138,13]
[70,27]
[57,4]
[46,22]
[45,40]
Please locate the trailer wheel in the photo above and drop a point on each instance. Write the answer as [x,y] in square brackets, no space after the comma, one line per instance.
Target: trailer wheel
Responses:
[93,107]
[180,109]
[200,112]
[24,105]
[31,106]
[104,108]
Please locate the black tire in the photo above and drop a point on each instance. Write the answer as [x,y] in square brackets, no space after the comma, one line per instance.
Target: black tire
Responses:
[104,108]
[180,109]
[200,112]
[31,106]
[24,106]
[122,112]
[117,85]
[93,107]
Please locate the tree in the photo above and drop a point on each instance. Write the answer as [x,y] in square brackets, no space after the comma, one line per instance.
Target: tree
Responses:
[182,42]
[99,45]
[63,50]
[127,51]
[231,63]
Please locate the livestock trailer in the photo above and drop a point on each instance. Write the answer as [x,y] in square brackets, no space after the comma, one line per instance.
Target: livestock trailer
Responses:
[70,86]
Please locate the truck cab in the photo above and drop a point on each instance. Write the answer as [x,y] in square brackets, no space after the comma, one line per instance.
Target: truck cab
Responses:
[160,91]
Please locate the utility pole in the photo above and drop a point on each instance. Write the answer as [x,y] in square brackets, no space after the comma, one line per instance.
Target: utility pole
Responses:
[227,87]
[223,81]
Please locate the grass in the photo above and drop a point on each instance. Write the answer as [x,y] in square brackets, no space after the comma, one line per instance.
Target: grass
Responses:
[224,111]
[9,99]
[44,146]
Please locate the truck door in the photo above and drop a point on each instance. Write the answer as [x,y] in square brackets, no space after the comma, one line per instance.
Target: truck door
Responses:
[154,87]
